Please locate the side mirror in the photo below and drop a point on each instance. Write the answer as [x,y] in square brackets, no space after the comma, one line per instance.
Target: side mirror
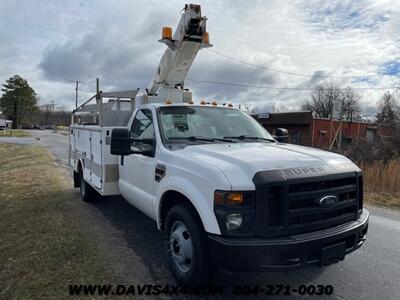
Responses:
[120,142]
[281,135]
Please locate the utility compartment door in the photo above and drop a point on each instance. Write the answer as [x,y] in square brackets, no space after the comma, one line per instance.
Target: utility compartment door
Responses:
[96,159]
[72,149]
[82,150]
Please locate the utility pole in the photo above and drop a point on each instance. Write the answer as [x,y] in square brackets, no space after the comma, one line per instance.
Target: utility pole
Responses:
[77,82]
[340,127]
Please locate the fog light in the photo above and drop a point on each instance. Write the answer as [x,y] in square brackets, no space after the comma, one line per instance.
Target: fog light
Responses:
[233,221]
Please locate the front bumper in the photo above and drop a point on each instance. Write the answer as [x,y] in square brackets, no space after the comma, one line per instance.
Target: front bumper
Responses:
[288,253]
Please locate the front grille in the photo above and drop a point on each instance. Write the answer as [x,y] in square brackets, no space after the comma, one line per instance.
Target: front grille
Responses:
[293,207]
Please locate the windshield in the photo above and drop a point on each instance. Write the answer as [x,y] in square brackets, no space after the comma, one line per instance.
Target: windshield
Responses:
[209,124]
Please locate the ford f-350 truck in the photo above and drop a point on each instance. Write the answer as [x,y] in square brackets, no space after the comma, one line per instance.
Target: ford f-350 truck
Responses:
[224,191]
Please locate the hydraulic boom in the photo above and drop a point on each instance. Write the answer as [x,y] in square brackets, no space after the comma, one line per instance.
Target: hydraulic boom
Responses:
[189,37]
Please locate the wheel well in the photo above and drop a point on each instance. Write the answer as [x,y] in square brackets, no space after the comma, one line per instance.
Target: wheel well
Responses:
[170,199]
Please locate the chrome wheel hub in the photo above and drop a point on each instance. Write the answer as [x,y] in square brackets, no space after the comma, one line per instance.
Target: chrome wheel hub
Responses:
[181,247]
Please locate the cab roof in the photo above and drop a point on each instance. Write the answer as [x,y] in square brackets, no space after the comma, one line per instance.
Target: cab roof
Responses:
[157,105]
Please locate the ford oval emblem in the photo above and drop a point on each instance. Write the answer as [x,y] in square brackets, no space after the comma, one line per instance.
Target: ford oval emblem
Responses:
[327,201]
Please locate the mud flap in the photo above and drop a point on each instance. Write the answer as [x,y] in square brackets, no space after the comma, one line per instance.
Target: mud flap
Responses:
[77,181]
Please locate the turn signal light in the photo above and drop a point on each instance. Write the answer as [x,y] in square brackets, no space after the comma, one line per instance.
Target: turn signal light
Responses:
[167,33]
[228,198]
[235,198]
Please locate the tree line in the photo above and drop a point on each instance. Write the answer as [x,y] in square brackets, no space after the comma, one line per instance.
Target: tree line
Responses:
[19,103]
[332,102]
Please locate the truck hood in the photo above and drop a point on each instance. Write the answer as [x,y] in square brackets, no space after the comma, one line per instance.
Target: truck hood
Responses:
[240,161]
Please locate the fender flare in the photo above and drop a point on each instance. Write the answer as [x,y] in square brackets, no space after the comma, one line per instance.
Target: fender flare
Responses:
[190,191]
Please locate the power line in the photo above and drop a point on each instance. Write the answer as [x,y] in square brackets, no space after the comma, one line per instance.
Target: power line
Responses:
[292,73]
[281,88]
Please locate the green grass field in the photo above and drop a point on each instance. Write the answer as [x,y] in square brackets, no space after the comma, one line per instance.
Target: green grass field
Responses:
[43,247]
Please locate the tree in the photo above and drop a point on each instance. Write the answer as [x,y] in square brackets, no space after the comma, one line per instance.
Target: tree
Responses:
[388,109]
[248,108]
[46,117]
[18,101]
[351,104]
[330,101]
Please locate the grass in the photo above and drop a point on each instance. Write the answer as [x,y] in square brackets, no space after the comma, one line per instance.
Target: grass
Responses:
[382,182]
[43,248]
[14,133]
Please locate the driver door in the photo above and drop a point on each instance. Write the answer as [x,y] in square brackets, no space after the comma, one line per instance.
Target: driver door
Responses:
[137,174]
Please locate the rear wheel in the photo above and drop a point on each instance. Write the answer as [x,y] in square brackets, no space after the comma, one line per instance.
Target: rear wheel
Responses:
[186,246]
[88,194]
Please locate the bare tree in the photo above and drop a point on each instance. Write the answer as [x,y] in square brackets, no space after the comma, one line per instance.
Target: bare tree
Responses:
[249,108]
[351,104]
[388,109]
[323,101]
[330,101]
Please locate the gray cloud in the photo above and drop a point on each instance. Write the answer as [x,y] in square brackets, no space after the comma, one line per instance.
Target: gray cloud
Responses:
[220,70]
[50,44]
[122,60]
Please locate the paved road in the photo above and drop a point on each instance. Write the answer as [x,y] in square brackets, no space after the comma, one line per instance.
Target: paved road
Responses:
[372,272]
[57,143]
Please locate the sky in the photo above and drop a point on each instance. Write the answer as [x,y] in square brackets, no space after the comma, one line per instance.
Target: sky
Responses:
[50,43]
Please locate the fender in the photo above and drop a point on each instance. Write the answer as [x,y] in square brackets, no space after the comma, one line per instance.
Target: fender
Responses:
[82,162]
[190,191]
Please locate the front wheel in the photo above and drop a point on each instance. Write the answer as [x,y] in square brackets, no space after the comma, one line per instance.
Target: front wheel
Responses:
[186,246]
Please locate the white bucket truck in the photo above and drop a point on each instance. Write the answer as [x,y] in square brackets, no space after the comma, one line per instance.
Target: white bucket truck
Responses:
[222,189]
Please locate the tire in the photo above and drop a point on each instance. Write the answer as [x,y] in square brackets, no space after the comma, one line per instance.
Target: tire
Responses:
[88,194]
[187,247]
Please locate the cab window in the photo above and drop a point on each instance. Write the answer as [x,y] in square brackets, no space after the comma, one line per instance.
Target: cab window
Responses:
[142,126]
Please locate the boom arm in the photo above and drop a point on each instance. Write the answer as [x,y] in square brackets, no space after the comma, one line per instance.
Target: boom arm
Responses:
[189,37]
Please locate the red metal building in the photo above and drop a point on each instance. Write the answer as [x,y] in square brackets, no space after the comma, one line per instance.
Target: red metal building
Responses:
[306,129]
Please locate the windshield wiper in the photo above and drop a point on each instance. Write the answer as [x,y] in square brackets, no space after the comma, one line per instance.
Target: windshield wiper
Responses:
[202,138]
[249,137]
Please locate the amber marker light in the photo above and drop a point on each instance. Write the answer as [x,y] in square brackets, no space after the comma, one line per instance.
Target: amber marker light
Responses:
[206,38]
[228,198]
[167,33]
[234,198]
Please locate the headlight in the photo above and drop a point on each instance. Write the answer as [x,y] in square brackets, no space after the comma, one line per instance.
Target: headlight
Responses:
[233,221]
[235,212]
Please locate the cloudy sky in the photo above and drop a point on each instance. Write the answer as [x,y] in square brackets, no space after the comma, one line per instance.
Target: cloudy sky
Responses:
[52,42]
